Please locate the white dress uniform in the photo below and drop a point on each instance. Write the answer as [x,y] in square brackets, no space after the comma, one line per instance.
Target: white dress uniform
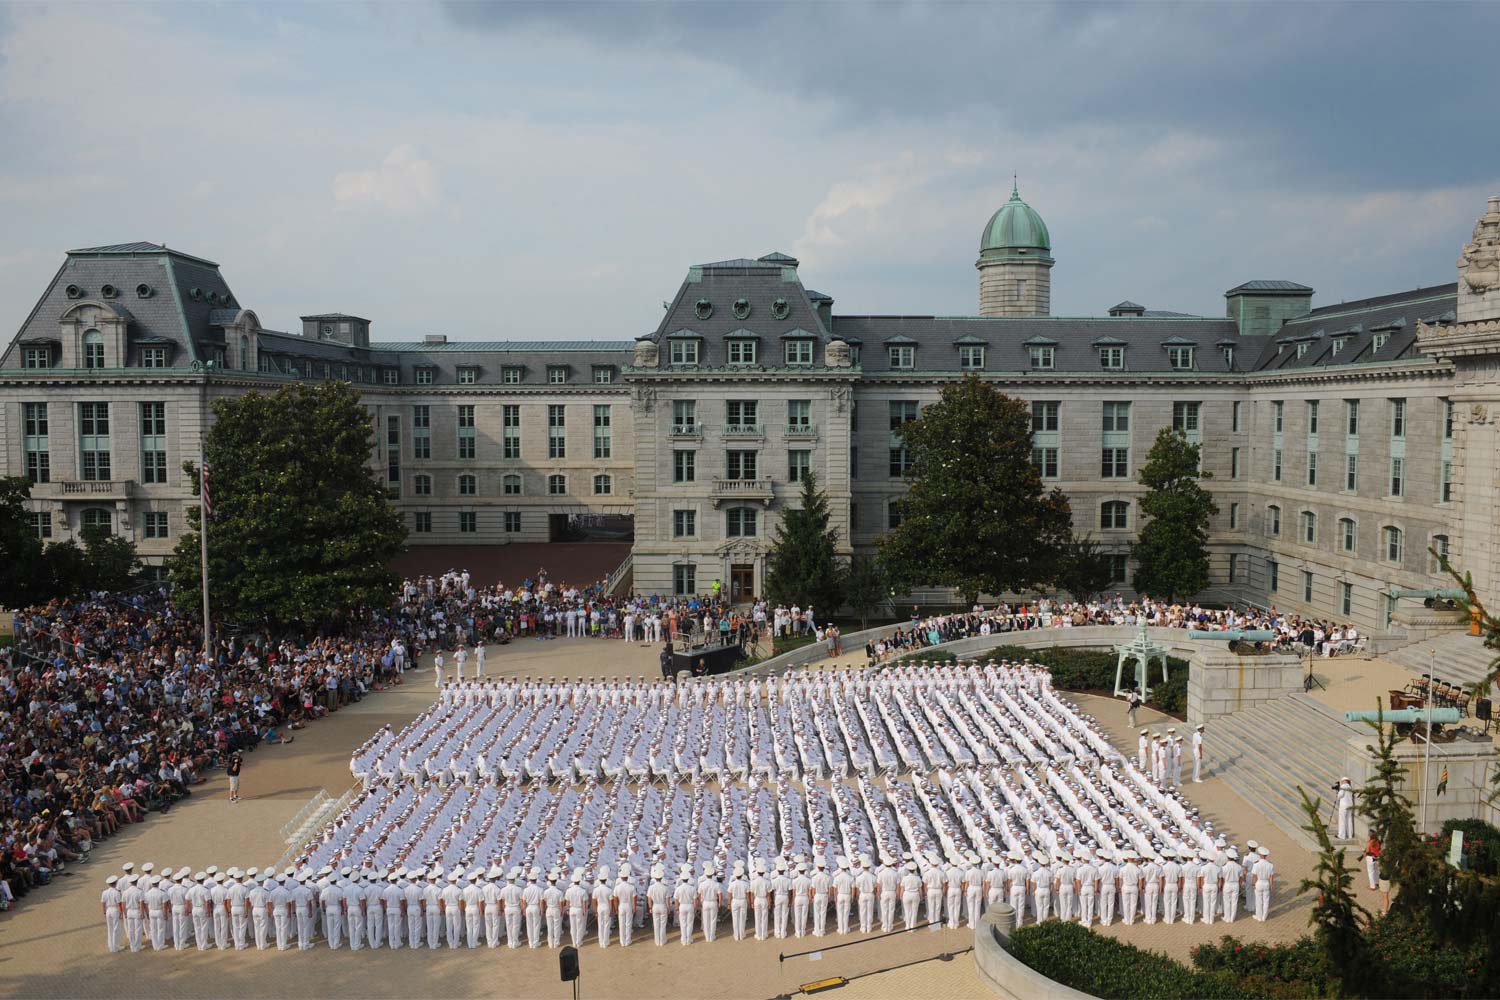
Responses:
[625,907]
[866,888]
[432,909]
[531,900]
[686,897]
[200,907]
[1211,874]
[333,914]
[578,902]
[1345,802]
[554,905]
[822,888]
[133,902]
[113,921]
[843,894]
[177,896]
[218,895]
[760,901]
[659,900]
[1234,874]
[781,894]
[1262,873]
[709,895]
[510,899]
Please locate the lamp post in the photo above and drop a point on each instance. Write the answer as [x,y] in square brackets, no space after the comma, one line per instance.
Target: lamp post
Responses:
[203,487]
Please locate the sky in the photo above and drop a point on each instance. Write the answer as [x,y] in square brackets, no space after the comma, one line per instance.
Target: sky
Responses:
[550,171]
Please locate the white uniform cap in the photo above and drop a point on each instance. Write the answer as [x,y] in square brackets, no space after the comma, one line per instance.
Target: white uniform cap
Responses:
[112,880]
[167,872]
[657,872]
[148,867]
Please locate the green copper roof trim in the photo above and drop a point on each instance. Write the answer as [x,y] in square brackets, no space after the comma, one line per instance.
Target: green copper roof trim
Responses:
[1016,226]
[187,333]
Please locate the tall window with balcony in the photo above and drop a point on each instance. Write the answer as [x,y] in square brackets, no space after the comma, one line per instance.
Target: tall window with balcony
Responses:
[35,442]
[93,441]
[740,465]
[602,445]
[799,416]
[684,416]
[741,418]
[510,431]
[154,443]
[466,448]
[557,431]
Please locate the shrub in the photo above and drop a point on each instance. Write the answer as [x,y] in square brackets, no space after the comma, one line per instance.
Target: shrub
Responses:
[1171,697]
[1481,844]
[1075,956]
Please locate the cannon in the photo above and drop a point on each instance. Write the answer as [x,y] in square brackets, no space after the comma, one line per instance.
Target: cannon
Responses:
[1235,635]
[1451,594]
[1406,716]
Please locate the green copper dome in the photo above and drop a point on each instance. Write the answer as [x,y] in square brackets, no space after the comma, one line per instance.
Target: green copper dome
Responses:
[1016,231]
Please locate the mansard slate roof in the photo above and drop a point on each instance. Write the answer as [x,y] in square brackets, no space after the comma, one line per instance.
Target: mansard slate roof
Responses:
[1356,324]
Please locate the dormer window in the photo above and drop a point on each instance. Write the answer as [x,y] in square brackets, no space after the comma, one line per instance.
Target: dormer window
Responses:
[1228,357]
[93,349]
[1180,357]
[424,376]
[971,357]
[510,375]
[742,351]
[799,352]
[1112,358]
[153,357]
[1338,345]
[392,376]
[683,352]
[36,357]
[1301,348]
[1042,357]
[557,375]
[903,356]
[1377,341]
[468,376]
[603,375]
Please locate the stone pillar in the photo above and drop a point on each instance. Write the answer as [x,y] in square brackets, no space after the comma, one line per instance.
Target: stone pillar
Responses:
[1221,682]
[1470,761]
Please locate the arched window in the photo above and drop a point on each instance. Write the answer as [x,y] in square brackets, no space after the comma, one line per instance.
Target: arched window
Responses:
[1309,527]
[1114,515]
[421,485]
[511,486]
[97,519]
[1348,533]
[93,349]
[467,485]
[557,485]
[1273,520]
[1392,544]
[741,522]
[603,484]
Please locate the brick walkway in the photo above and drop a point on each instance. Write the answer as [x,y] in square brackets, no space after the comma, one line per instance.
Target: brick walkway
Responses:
[53,945]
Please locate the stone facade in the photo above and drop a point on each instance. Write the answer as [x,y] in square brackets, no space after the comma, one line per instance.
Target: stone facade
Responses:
[1344,441]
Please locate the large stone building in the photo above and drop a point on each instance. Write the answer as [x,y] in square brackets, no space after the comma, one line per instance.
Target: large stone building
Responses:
[1344,440]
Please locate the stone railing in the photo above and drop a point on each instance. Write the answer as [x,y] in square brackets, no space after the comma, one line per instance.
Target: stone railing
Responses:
[742,489]
[801,430]
[687,431]
[743,432]
[1007,976]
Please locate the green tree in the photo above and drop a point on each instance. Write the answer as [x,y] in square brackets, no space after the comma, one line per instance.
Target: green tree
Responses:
[22,578]
[1172,551]
[1083,570]
[110,561]
[976,517]
[1338,920]
[803,567]
[1381,800]
[65,569]
[301,530]
[865,587]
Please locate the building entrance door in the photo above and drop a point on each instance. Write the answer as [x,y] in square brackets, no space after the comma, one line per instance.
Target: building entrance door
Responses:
[741,583]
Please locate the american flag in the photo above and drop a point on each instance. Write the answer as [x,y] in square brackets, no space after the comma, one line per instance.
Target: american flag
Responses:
[208,504]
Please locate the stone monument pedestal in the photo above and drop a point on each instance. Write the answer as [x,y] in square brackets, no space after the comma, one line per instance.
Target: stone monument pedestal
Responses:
[1221,682]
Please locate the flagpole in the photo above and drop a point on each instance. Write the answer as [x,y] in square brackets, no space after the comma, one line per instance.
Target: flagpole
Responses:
[1427,763]
[208,630]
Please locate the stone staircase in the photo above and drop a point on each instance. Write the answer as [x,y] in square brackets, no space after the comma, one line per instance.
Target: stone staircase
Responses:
[1461,658]
[1266,751]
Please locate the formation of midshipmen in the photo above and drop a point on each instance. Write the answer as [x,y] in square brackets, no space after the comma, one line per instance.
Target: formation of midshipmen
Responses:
[542,812]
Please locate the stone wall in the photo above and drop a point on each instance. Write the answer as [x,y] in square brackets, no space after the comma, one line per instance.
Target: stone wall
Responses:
[1222,683]
[1470,763]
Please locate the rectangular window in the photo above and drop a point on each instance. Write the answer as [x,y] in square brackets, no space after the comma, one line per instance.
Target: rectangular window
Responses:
[391,376]
[557,485]
[1351,473]
[1234,516]
[799,352]
[900,465]
[423,376]
[1115,464]
[684,416]
[1234,416]
[36,357]
[1346,599]
[557,375]
[421,431]
[1351,417]
[799,414]
[798,462]
[153,357]
[1045,462]
[1278,413]
[1273,575]
[1312,416]
[1347,536]
[1447,482]
[1180,358]
[1276,465]
[604,375]
[1309,527]
[40,522]
[93,441]
[1228,356]
[902,412]
[1044,416]
[1307,586]
[1398,418]
[602,445]
[1393,544]
[742,352]
[1440,547]
[903,356]
[511,375]
[1398,477]
[1116,417]
[684,580]
[1377,341]
[468,522]
[422,522]
[512,522]
[1312,468]
[156,524]
[1119,567]
[468,376]
[1234,463]
[684,466]
[1042,358]
[393,454]
[1447,420]
[510,430]
[421,486]
[684,524]
[854,461]
[1234,568]
[742,413]
[557,431]
[466,430]
[740,522]
[36,442]
[1112,358]
[1273,520]
[1114,515]
[1185,417]
[970,357]
[740,465]
[510,485]
[683,352]
[153,442]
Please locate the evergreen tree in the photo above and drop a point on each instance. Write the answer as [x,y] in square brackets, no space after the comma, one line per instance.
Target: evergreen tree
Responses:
[110,561]
[1083,571]
[1172,551]
[300,530]
[803,567]
[865,587]
[1338,920]
[976,517]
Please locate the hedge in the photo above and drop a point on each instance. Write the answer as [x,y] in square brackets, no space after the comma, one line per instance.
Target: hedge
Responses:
[1076,956]
[1481,844]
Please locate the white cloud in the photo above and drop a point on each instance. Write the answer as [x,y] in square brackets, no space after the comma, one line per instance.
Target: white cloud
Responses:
[403,183]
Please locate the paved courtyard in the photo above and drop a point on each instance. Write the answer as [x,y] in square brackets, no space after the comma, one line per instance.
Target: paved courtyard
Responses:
[53,945]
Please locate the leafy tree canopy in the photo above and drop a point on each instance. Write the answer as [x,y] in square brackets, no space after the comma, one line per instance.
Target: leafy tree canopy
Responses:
[1083,570]
[301,530]
[865,587]
[803,567]
[1172,550]
[21,578]
[977,518]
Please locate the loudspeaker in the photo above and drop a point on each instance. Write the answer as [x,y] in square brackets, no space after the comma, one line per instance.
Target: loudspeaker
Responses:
[567,960]
[1482,710]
